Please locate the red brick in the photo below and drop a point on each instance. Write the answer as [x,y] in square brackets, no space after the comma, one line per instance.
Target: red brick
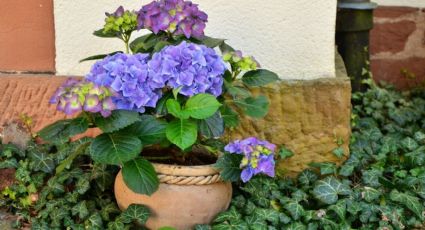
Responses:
[391,71]
[391,37]
[27,39]
[393,11]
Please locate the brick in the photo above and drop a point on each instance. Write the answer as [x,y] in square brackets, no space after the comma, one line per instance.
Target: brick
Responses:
[393,11]
[391,37]
[27,40]
[392,71]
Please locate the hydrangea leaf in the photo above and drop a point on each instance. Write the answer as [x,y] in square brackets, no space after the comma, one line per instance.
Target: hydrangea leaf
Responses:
[149,129]
[328,189]
[117,120]
[135,212]
[212,42]
[212,127]
[98,56]
[182,132]
[256,107]
[115,148]
[259,77]
[229,165]
[140,176]
[230,117]
[202,106]
[60,131]
[174,107]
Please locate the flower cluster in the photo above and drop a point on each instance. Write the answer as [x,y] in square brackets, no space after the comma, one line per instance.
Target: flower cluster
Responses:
[128,76]
[121,21]
[189,67]
[175,16]
[76,95]
[258,157]
[240,62]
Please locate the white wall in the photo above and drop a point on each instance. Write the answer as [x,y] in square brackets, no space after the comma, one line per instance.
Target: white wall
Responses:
[409,3]
[293,38]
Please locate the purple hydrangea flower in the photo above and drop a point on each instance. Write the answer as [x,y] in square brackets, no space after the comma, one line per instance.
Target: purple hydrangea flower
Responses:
[76,95]
[128,76]
[175,16]
[192,68]
[258,157]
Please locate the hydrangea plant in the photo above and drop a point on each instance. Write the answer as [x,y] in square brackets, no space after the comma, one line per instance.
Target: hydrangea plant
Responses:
[170,88]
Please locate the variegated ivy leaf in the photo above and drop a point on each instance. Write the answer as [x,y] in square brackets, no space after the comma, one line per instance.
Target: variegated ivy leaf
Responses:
[409,201]
[328,189]
[231,215]
[135,212]
[295,209]
[81,210]
[340,208]
[94,222]
[234,225]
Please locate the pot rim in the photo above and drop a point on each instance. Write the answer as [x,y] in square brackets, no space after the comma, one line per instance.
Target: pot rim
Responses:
[181,170]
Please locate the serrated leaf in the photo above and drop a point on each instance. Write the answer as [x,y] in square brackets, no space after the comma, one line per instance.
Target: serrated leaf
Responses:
[174,108]
[328,189]
[182,133]
[256,107]
[230,117]
[202,106]
[212,127]
[229,165]
[259,77]
[149,129]
[115,148]
[140,176]
[135,212]
[60,131]
[98,56]
[119,119]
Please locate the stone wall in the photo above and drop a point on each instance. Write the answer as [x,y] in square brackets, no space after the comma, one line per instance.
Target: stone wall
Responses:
[398,46]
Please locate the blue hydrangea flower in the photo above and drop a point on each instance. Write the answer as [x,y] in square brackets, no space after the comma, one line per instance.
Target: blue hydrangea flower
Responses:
[258,157]
[192,68]
[128,76]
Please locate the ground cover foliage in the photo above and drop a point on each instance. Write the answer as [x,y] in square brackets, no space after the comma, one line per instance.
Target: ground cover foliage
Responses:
[380,186]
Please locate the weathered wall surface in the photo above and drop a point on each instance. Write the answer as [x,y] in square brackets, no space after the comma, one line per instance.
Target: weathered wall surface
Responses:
[398,46]
[292,38]
[406,3]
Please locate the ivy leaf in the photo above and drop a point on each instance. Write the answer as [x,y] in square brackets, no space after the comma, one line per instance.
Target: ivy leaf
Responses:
[231,215]
[135,212]
[109,209]
[82,186]
[116,225]
[370,194]
[325,167]
[296,226]
[254,222]
[212,127]
[346,170]
[230,117]
[409,201]
[81,210]
[235,225]
[115,148]
[229,165]
[409,144]
[419,136]
[202,227]
[42,161]
[140,176]
[295,209]
[259,77]
[371,177]
[94,222]
[202,106]
[328,189]
[254,107]
[340,208]
[117,120]
[182,133]
[285,153]
[270,215]
[103,177]
[339,152]
[149,130]
[9,163]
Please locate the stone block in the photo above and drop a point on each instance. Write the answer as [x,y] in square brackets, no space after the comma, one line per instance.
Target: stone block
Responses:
[391,37]
[404,73]
[393,11]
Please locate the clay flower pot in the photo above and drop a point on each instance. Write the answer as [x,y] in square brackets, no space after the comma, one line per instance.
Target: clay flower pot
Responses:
[187,195]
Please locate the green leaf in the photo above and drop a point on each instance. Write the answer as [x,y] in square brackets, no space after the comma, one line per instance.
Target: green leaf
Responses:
[307,177]
[9,163]
[229,165]
[109,209]
[340,208]
[328,189]
[116,225]
[235,225]
[325,167]
[230,117]
[409,201]
[371,177]
[135,212]
[370,194]
[339,152]
[139,43]
[211,42]
[202,106]
[231,215]
[212,127]
[160,45]
[202,227]
[82,185]
[295,226]
[68,161]
[42,161]
[236,91]
[254,222]
[259,77]
[254,107]
[225,48]
[295,209]
[409,144]
[102,34]
[103,177]
[140,176]
[182,133]
[285,153]
[81,210]
[119,119]
[60,131]
[174,107]
[94,222]
[98,56]
[166,228]
[115,148]
[149,130]
[270,215]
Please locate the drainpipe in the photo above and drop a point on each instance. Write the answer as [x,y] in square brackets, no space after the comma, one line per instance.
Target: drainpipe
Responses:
[354,22]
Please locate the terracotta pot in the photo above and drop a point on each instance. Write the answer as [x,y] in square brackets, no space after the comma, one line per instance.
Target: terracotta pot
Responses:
[187,195]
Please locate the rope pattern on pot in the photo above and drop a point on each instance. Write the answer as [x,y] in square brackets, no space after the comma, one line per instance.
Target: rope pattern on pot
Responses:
[189,180]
